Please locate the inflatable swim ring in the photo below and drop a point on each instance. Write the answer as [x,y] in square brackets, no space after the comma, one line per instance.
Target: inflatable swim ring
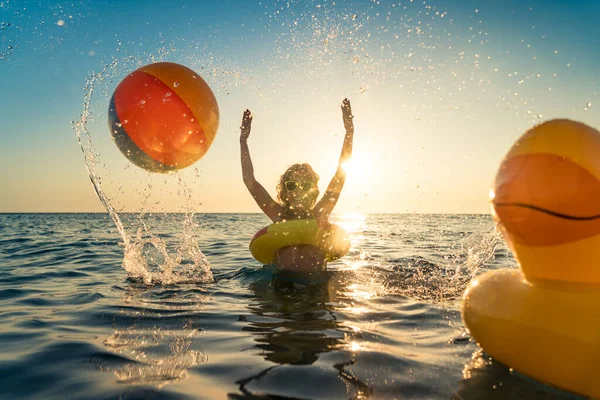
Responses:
[329,237]
[544,318]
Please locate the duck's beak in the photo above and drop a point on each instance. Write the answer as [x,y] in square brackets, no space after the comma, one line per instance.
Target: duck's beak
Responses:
[546,199]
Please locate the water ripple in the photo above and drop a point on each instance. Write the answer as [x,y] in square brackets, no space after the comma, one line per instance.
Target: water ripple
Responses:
[383,324]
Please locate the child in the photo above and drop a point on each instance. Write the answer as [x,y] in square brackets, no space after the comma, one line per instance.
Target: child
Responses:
[297,193]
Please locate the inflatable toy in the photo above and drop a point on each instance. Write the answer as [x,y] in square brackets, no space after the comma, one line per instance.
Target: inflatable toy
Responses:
[163,117]
[329,237]
[543,319]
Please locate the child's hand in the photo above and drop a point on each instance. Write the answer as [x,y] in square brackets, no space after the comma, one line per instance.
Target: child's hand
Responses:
[246,125]
[347,116]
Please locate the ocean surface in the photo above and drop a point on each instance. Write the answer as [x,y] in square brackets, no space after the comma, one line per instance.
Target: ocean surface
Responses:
[75,324]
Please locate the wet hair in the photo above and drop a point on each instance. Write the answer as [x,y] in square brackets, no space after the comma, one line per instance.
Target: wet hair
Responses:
[282,191]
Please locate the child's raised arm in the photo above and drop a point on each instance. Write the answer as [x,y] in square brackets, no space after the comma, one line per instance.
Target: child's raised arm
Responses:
[325,206]
[271,208]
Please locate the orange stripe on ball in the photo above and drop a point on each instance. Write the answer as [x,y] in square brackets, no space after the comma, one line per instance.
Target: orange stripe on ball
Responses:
[158,121]
[193,90]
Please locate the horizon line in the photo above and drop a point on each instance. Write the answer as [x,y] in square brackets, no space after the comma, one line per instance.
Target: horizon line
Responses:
[229,212]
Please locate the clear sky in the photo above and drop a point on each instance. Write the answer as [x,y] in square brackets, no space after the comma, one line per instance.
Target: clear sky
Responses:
[440,90]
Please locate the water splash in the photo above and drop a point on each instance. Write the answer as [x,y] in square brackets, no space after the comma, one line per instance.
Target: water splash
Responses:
[181,262]
[479,248]
[419,273]
[446,282]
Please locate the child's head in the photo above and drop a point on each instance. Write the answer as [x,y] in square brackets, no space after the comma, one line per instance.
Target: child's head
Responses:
[297,188]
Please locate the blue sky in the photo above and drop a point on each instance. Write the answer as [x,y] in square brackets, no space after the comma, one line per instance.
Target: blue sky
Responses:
[440,91]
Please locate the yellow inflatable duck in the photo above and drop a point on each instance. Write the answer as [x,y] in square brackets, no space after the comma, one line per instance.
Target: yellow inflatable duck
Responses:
[543,319]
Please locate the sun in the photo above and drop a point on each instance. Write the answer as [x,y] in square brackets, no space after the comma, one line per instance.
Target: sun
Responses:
[359,166]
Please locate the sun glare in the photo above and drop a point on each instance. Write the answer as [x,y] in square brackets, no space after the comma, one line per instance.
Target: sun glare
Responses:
[359,166]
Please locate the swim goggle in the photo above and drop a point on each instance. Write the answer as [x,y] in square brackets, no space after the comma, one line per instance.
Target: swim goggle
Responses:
[290,186]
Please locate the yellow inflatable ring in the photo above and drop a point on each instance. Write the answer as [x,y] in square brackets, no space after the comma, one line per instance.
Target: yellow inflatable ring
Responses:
[330,238]
[551,333]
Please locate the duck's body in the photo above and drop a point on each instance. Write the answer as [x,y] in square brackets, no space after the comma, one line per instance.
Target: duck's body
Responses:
[550,333]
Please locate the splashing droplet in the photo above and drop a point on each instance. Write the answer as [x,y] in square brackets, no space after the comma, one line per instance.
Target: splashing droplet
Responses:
[176,84]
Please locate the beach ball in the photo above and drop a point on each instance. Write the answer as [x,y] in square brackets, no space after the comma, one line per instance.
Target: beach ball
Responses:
[163,117]
[546,201]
